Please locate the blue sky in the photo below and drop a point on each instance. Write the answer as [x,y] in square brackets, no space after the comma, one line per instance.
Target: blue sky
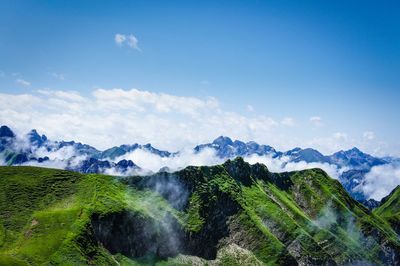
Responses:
[337,60]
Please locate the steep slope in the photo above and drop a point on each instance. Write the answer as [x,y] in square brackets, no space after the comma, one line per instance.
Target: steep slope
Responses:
[230,214]
[390,209]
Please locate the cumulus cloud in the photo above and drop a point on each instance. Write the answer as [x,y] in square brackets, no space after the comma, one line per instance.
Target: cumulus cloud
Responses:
[130,40]
[380,181]
[112,117]
[23,82]
[316,120]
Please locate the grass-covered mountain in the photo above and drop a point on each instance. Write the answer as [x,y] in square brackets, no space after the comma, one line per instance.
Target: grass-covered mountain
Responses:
[390,209]
[230,214]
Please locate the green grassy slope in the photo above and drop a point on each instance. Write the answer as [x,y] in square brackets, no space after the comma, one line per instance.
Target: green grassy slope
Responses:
[390,209]
[229,214]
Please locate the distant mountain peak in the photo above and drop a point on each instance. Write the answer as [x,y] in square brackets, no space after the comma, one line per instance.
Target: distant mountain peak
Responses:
[223,140]
[355,149]
[5,131]
[35,138]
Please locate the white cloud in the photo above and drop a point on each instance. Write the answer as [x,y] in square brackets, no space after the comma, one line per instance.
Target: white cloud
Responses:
[316,120]
[119,38]
[278,165]
[152,162]
[109,117]
[113,117]
[250,108]
[62,154]
[186,157]
[288,121]
[380,181]
[63,95]
[340,136]
[369,135]
[130,40]
[23,82]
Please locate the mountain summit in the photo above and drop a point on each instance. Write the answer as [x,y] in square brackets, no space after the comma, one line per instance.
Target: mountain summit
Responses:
[5,131]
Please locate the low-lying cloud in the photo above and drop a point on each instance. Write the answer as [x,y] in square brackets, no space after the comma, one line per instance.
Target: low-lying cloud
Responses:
[283,164]
[152,162]
[380,181]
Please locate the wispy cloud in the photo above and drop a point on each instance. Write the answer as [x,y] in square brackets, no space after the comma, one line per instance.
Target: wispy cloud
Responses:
[369,135]
[130,40]
[288,121]
[316,120]
[58,76]
[340,136]
[23,82]
[119,38]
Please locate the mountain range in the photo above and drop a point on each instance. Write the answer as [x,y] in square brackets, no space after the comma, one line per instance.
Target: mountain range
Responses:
[36,149]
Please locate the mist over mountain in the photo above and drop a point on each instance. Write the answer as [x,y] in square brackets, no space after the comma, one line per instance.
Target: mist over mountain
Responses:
[349,167]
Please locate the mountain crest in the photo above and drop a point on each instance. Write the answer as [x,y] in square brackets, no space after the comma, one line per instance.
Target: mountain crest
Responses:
[35,138]
[5,131]
[223,141]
